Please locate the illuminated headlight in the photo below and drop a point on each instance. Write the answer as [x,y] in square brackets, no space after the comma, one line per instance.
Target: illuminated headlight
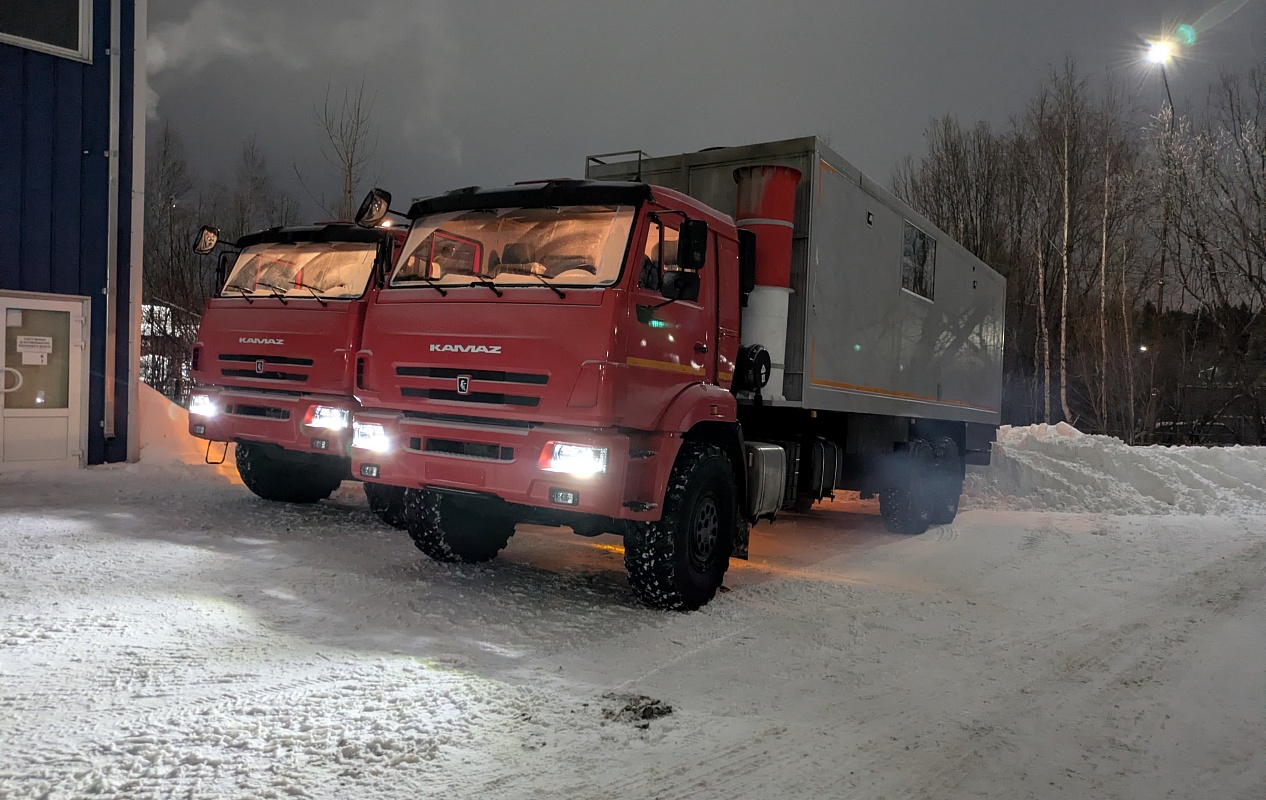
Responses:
[201,405]
[575,459]
[370,436]
[328,417]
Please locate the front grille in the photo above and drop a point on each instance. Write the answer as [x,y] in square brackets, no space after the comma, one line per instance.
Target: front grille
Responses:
[266,412]
[488,452]
[496,375]
[267,375]
[269,359]
[461,419]
[473,397]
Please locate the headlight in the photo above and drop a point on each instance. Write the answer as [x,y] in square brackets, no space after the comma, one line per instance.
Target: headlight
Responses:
[327,417]
[370,436]
[574,459]
[201,405]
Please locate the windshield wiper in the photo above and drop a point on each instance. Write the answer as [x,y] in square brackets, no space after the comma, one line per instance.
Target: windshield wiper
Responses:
[551,286]
[313,291]
[277,291]
[242,289]
[430,282]
[482,281]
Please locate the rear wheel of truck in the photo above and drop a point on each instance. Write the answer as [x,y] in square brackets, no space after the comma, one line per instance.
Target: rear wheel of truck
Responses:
[387,503]
[286,481]
[454,529]
[679,561]
[948,480]
[906,506]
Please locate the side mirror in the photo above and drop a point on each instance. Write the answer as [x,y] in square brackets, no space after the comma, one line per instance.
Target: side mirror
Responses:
[692,244]
[747,261]
[374,209]
[206,240]
[680,285]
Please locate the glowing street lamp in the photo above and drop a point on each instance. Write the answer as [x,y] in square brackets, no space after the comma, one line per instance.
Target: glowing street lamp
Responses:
[1161,51]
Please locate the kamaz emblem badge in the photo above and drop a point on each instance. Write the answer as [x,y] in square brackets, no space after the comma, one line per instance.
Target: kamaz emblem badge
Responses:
[463,384]
[259,366]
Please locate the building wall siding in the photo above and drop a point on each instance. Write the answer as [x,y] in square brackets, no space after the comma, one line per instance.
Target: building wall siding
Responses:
[55,191]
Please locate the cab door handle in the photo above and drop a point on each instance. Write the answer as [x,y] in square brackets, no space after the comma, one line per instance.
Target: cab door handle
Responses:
[701,348]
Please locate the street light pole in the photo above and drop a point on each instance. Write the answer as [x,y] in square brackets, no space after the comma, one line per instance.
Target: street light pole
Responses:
[1160,53]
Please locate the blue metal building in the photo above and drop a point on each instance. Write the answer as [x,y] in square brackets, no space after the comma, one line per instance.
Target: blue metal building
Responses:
[72,114]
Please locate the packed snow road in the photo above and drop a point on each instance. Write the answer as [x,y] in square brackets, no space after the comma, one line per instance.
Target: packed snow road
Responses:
[164,633]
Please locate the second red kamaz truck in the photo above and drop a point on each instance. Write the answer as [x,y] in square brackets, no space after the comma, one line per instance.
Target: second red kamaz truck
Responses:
[621,355]
[275,356]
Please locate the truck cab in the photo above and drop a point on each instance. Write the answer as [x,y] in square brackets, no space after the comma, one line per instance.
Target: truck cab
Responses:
[274,359]
[576,332]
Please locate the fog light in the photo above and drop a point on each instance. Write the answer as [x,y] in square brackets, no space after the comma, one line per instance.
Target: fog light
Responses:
[369,470]
[574,459]
[564,497]
[199,430]
[320,444]
[370,436]
[201,405]
[327,417]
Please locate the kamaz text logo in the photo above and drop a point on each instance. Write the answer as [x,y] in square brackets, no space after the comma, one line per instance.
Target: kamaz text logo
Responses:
[257,340]
[492,349]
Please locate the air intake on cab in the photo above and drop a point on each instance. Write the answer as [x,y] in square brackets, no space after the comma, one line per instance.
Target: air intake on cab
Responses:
[767,207]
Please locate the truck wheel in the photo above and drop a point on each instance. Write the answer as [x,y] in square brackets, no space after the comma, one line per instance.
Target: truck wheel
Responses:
[907,506]
[286,481]
[679,561]
[948,484]
[387,503]
[453,530]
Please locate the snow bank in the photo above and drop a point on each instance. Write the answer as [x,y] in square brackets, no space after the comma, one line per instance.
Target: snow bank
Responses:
[165,438]
[1058,468]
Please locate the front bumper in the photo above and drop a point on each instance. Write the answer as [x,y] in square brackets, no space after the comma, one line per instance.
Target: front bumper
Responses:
[503,459]
[246,416]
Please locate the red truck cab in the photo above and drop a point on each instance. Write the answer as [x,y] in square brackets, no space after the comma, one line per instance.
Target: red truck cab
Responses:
[274,361]
[580,345]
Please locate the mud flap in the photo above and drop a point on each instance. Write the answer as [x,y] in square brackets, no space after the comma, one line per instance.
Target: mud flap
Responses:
[223,453]
[742,533]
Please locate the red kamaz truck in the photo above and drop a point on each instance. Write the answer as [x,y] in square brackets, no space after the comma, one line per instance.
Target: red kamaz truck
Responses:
[275,355]
[619,355]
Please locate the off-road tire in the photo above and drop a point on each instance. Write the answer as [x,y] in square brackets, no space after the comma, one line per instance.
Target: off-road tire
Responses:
[286,481]
[387,503]
[679,561]
[948,480]
[453,530]
[906,505]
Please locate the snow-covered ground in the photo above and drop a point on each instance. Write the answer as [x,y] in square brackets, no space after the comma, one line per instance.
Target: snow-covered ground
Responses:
[164,633]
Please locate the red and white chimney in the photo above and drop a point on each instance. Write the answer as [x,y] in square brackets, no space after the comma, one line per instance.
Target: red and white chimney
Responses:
[767,207]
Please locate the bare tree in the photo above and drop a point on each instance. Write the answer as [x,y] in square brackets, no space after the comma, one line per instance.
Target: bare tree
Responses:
[350,147]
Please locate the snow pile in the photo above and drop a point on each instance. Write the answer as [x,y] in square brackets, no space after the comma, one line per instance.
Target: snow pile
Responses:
[1058,468]
[165,437]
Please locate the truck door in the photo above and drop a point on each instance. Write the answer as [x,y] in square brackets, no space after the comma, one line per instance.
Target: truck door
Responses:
[670,345]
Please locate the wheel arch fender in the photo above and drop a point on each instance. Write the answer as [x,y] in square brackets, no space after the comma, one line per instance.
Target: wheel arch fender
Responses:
[700,402]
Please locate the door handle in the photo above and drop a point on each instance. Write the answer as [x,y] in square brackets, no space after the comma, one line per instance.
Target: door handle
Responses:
[701,348]
[16,386]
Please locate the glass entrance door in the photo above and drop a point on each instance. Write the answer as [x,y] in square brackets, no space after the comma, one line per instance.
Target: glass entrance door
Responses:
[41,383]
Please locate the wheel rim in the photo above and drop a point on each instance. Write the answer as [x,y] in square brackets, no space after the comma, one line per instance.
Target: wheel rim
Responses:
[704,532]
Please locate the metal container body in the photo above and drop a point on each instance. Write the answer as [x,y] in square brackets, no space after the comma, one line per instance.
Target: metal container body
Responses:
[858,341]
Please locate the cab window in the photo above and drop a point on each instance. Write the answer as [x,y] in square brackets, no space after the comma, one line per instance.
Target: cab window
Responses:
[659,256]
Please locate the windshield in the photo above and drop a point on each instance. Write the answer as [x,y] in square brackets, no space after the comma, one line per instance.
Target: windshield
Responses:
[567,246]
[331,270]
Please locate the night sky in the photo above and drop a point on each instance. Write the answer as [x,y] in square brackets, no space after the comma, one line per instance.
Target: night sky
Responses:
[483,92]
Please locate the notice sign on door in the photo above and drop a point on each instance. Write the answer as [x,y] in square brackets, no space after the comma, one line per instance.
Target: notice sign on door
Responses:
[35,344]
[35,350]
